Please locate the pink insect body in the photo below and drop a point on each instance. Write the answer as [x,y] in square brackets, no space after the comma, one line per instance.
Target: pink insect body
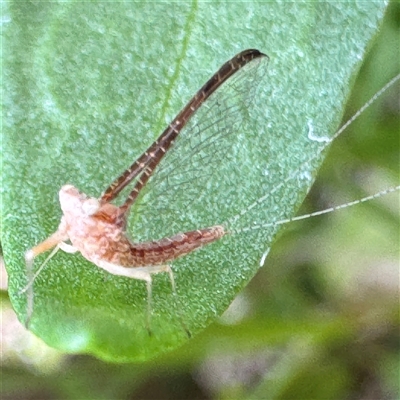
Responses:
[98,233]
[97,229]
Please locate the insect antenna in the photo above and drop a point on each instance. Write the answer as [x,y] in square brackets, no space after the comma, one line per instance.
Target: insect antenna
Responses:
[374,196]
[324,144]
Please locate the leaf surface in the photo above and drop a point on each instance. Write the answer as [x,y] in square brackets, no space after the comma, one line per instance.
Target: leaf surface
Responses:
[88,86]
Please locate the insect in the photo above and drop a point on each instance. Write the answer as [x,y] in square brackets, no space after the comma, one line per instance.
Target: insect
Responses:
[97,229]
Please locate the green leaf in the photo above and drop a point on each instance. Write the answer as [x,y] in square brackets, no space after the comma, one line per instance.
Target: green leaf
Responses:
[88,86]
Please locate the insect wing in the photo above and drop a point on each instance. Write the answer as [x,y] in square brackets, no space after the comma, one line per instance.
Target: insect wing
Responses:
[188,174]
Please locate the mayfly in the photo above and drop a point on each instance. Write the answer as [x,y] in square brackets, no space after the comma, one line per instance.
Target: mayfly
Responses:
[97,228]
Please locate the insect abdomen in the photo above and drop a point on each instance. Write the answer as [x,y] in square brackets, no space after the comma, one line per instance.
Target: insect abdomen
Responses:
[167,249]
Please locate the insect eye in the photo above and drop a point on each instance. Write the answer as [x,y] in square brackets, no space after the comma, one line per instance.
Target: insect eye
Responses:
[90,206]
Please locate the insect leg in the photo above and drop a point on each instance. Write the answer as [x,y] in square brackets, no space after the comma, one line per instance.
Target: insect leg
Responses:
[144,274]
[167,268]
[171,278]
[52,242]
[67,248]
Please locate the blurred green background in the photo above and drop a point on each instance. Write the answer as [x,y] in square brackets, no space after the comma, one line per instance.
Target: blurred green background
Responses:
[319,321]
